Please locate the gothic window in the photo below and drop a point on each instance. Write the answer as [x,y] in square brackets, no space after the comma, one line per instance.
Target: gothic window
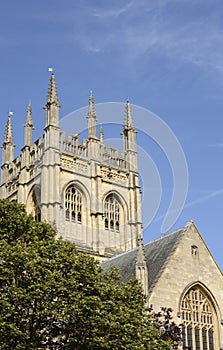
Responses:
[197,314]
[111,213]
[73,205]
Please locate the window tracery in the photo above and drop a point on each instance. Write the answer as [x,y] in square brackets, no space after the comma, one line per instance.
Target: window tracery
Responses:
[111,213]
[73,204]
[197,314]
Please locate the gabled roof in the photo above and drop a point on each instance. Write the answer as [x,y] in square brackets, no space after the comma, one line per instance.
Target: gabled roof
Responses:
[157,253]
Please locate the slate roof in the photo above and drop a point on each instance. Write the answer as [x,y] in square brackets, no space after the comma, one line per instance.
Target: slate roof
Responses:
[156,252]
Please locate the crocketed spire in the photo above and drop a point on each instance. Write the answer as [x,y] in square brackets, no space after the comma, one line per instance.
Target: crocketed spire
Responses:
[29,121]
[101,134]
[8,143]
[128,121]
[8,138]
[52,92]
[28,127]
[52,104]
[91,110]
[91,117]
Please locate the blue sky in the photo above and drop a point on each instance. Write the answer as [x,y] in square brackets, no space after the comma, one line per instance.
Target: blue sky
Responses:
[165,55]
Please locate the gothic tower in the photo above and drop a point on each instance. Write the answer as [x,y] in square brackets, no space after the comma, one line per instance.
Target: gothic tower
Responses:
[85,188]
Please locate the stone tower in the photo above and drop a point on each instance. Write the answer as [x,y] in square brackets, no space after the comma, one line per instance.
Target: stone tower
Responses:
[86,189]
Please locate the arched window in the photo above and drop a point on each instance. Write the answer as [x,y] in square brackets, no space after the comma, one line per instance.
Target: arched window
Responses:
[198,315]
[73,204]
[111,213]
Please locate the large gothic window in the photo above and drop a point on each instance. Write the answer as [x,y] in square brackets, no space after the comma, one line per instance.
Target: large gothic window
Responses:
[198,319]
[73,204]
[111,213]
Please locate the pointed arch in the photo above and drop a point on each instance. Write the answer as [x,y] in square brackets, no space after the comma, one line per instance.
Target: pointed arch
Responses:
[114,211]
[33,202]
[75,202]
[199,318]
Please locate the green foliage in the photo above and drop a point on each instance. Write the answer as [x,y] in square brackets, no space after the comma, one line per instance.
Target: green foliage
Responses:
[52,297]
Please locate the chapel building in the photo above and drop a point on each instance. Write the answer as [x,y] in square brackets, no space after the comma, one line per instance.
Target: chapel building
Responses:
[91,194]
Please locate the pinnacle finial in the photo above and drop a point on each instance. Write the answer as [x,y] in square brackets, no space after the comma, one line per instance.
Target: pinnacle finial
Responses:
[28,127]
[141,268]
[91,117]
[91,109]
[8,138]
[101,134]
[29,121]
[128,121]
[52,91]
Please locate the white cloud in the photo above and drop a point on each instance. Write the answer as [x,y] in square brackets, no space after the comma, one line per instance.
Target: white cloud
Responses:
[182,31]
[202,199]
[216,145]
[145,29]
[114,12]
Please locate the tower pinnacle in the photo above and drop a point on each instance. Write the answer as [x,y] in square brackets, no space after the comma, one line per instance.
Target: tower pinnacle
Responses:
[8,138]
[29,121]
[91,117]
[52,104]
[28,127]
[129,138]
[128,121]
[52,92]
[8,143]
[101,134]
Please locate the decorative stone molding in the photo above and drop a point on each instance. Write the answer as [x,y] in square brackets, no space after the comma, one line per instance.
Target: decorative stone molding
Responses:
[113,175]
[73,165]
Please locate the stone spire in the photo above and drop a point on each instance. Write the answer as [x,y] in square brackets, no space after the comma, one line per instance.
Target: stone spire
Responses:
[129,138]
[101,135]
[8,143]
[8,138]
[91,118]
[52,104]
[141,267]
[128,121]
[28,127]
[52,92]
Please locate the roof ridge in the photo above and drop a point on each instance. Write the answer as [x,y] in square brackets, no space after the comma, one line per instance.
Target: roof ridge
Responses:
[121,254]
[166,235]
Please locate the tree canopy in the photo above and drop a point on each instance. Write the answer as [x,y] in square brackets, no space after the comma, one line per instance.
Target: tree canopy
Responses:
[53,297]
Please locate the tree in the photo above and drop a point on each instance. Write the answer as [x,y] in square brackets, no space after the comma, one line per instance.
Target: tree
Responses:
[52,297]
